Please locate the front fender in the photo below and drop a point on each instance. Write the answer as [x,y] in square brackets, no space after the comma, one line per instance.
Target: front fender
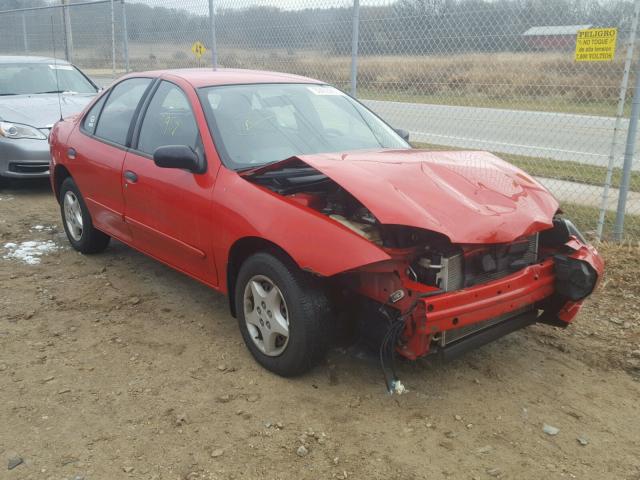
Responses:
[314,241]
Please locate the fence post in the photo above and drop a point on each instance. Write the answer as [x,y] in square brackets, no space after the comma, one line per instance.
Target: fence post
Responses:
[68,36]
[355,25]
[25,40]
[619,115]
[113,40]
[125,37]
[212,32]
[629,153]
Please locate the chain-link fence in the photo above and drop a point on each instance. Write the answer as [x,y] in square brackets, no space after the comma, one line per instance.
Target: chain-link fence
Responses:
[457,74]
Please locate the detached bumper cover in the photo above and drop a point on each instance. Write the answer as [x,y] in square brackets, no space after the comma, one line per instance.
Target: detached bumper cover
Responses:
[530,287]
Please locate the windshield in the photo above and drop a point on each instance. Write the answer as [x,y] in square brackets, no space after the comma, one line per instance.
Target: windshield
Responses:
[33,78]
[262,123]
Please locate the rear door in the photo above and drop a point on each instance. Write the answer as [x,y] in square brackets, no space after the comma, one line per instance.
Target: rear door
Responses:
[97,151]
[169,210]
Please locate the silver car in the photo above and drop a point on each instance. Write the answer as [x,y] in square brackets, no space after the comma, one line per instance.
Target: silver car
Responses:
[34,92]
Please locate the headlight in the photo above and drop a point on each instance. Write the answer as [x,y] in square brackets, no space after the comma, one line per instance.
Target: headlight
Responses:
[17,130]
[573,230]
[560,233]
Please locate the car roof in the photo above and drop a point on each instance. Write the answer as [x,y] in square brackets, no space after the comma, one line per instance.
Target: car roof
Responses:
[30,59]
[205,77]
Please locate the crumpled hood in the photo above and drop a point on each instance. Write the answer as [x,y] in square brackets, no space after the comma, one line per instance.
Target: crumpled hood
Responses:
[471,197]
[41,111]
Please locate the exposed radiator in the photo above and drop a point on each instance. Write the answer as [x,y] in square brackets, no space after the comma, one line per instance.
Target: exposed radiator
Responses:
[455,275]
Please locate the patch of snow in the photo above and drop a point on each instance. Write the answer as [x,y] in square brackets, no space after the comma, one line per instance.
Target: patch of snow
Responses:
[6,197]
[29,252]
[42,228]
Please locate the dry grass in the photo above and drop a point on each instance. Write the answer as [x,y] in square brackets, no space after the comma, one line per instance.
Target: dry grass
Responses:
[535,80]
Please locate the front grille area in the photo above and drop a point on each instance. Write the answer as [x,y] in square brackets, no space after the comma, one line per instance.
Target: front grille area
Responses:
[486,264]
[498,261]
[39,167]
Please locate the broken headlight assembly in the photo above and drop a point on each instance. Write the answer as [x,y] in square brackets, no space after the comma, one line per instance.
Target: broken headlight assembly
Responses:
[563,229]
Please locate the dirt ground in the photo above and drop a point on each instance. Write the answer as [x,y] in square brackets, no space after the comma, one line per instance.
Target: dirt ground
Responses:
[114,366]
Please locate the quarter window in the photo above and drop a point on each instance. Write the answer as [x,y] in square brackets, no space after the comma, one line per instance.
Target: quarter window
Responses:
[115,119]
[169,120]
[91,119]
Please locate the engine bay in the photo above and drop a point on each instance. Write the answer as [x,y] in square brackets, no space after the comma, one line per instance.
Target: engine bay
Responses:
[431,259]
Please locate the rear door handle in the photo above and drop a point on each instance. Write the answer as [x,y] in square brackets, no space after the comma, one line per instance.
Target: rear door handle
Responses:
[130,176]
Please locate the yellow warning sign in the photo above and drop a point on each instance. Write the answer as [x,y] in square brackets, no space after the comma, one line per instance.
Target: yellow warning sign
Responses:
[596,45]
[198,49]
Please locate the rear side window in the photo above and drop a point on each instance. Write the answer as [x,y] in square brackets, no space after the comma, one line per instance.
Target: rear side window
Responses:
[115,119]
[168,121]
[91,119]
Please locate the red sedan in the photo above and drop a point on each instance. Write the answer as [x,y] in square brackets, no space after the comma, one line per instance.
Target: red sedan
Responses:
[312,214]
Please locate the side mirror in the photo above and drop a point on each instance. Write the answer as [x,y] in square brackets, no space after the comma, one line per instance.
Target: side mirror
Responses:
[178,156]
[403,133]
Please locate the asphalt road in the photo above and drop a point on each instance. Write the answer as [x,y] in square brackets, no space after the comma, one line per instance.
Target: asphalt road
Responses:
[561,136]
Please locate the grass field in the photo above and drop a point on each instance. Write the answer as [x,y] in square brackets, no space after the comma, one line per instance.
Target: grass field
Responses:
[545,81]
[586,219]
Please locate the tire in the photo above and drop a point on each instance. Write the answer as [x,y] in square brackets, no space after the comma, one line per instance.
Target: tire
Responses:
[306,307]
[76,220]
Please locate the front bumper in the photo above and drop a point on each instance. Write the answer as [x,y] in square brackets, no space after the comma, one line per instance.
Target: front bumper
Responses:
[515,298]
[24,158]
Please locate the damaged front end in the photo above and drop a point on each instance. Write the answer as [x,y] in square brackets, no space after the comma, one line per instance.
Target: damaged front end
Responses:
[434,296]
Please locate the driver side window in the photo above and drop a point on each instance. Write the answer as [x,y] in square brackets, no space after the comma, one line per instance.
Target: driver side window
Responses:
[168,121]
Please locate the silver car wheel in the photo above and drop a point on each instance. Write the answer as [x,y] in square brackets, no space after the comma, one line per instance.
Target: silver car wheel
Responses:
[73,215]
[266,315]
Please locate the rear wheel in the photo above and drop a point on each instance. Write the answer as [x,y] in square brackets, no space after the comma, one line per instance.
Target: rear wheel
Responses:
[284,315]
[77,221]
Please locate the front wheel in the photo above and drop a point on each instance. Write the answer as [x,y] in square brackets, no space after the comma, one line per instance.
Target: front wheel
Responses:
[284,315]
[77,221]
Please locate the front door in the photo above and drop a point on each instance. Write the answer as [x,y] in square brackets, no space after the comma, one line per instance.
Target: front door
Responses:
[169,210]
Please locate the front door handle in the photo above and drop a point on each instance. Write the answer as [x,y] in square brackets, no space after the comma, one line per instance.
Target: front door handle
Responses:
[130,176]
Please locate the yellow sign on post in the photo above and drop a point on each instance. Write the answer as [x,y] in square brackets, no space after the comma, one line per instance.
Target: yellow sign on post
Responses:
[198,49]
[596,45]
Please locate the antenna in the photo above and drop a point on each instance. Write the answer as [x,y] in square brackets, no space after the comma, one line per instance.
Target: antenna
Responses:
[55,69]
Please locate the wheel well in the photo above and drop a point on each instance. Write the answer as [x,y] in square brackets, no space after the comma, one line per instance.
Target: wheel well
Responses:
[239,252]
[60,173]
